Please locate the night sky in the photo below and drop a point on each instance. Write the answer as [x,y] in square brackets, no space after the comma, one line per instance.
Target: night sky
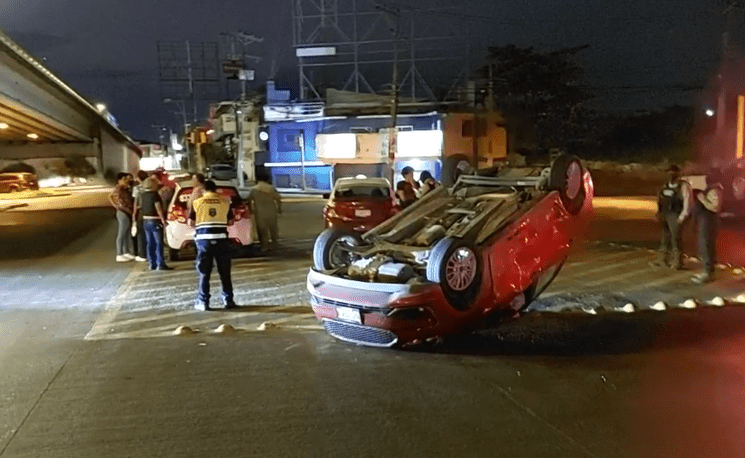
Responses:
[107,49]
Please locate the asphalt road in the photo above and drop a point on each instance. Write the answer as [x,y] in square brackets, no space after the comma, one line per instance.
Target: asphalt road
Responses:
[89,365]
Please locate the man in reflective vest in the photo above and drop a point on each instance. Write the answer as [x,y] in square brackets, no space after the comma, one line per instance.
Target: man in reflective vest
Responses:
[673,208]
[212,214]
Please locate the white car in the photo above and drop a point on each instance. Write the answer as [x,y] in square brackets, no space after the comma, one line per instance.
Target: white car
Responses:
[180,235]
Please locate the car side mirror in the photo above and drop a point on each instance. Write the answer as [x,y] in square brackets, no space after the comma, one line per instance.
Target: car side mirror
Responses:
[326,195]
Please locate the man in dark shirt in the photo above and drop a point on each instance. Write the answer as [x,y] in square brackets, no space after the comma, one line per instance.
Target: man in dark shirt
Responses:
[149,204]
[406,188]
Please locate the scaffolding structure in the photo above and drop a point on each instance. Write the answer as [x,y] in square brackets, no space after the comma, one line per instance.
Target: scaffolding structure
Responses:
[189,72]
[377,47]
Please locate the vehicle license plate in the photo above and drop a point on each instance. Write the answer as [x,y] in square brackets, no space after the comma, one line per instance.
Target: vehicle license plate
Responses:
[347,314]
[362,213]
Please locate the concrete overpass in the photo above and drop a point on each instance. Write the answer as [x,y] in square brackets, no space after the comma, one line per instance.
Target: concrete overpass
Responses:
[43,120]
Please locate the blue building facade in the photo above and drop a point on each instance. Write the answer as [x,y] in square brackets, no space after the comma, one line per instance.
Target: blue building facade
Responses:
[293,158]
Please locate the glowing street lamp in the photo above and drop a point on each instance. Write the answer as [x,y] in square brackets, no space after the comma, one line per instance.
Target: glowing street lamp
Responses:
[32,136]
[709,112]
[3,126]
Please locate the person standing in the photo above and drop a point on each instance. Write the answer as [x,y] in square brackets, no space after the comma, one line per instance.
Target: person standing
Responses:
[406,189]
[197,191]
[266,205]
[211,214]
[706,209]
[426,183]
[121,200]
[139,240]
[149,206]
[673,208]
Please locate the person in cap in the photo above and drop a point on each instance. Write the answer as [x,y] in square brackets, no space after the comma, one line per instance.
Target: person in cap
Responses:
[211,214]
[706,210]
[673,208]
[406,189]
[149,205]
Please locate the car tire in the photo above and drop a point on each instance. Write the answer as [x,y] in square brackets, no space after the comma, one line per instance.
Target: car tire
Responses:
[456,265]
[567,177]
[540,283]
[453,167]
[15,189]
[326,247]
[173,254]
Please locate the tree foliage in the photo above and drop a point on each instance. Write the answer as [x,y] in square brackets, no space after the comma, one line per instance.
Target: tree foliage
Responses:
[544,87]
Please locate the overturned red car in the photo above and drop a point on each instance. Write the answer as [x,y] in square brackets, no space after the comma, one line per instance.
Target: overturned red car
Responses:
[491,243]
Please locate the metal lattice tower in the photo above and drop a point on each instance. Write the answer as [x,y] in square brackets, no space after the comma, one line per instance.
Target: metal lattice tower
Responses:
[368,41]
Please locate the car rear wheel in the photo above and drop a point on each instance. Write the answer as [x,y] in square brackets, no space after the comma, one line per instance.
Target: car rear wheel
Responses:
[567,177]
[14,189]
[328,250]
[541,282]
[456,265]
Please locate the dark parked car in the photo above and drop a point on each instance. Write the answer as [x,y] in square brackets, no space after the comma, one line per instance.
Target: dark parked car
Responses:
[16,182]
[222,172]
[489,244]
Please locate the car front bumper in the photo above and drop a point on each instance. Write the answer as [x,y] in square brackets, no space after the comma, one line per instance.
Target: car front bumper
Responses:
[374,314]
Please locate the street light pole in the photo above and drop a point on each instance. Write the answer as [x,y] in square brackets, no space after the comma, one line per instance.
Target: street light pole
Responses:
[239,116]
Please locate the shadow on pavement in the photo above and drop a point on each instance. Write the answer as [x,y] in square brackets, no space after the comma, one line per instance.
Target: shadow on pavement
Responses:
[572,334]
[36,234]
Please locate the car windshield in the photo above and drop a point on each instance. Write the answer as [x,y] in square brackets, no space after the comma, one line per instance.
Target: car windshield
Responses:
[362,191]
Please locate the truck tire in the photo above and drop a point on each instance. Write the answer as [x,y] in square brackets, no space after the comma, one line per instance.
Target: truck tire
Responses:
[456,265]
[327,251]
[453,167]
[567,177]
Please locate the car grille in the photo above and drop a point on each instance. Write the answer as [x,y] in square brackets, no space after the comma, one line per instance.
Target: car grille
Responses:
[332,303]
[325,302]
[364,335]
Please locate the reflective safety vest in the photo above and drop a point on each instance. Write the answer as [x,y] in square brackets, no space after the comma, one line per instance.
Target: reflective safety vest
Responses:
[211,213]
[670,199]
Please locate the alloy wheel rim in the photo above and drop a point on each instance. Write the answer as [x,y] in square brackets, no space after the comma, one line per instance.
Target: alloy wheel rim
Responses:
[460,270]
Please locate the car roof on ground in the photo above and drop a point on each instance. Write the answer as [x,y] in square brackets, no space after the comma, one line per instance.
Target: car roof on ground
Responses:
[369,181]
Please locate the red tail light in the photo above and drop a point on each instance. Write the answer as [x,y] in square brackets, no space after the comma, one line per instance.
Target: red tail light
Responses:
[240,213]
[178,214]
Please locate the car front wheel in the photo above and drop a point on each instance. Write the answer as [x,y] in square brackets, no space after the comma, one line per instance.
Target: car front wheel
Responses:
[456,265]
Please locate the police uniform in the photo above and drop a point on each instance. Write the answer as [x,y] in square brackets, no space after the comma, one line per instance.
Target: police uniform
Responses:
[671,206]
[212,214]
